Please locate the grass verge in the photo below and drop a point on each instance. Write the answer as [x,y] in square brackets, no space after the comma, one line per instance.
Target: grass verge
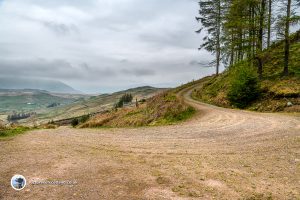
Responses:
[12,131]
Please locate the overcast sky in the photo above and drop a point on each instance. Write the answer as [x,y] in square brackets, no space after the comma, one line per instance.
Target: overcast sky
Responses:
[101,46]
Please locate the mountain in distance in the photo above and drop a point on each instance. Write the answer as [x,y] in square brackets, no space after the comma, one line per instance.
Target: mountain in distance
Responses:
[37,84]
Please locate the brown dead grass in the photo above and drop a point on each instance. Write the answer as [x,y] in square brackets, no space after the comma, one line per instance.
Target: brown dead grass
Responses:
[165,108]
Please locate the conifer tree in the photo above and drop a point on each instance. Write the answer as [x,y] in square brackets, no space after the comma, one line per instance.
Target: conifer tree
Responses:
[284,22]
[239,30]
[211,19]
[287,38]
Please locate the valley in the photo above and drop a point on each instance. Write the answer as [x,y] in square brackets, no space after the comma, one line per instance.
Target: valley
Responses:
[65,105]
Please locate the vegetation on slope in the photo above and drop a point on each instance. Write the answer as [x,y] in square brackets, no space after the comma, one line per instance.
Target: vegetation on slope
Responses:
[94,104]
[12,131]
[162,109]
[276,92]
[29,100]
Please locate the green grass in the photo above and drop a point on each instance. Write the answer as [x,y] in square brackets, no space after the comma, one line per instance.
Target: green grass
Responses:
[182,116]
[10,132]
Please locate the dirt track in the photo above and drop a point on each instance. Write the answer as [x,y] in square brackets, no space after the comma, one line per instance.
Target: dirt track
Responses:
[219,154]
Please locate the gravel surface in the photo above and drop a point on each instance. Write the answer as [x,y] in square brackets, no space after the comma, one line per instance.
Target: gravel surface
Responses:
[218,154]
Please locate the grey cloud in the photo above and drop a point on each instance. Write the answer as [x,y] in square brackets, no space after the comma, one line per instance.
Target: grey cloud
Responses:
[60,28]
[85,66]
[124,61]
[139,72]
[194,62]
[38,68]
[55,69]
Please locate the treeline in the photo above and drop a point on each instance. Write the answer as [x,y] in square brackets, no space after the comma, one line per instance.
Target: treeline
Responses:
[18,116]
[52,105]
[239,30]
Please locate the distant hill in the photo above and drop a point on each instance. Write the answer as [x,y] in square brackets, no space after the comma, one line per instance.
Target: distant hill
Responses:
[28,100]
[145,90]
[94,104]
[38,84]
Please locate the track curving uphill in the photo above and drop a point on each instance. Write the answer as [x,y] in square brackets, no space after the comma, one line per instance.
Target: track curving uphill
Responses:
[219,154]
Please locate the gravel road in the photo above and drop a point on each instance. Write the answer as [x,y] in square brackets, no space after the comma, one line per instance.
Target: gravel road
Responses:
[218,154]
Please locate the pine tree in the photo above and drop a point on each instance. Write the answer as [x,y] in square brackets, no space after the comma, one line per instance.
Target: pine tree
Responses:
[260,43]
[239,30]
[287,38]
[211,20]
[283,28]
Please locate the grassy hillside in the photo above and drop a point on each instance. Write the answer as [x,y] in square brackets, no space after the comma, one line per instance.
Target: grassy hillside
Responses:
[277,93]
[84,106]
[29,100]
[161,109]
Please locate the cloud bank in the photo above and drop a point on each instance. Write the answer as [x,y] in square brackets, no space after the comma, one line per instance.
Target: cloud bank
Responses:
[102,45]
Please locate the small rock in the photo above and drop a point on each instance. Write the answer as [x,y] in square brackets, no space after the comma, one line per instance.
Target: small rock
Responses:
[289,104]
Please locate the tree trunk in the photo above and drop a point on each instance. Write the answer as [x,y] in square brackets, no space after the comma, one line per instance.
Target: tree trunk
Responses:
[253,33]
[261,25]
[260,36]
[136,103]
[287,39]
[260,66]
[269,23]
[218,63]
[218,54]
[232,50]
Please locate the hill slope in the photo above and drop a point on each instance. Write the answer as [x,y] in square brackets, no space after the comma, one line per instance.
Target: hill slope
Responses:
[38,84]
[164,108]
[278,93]
[30,100]
[94,104]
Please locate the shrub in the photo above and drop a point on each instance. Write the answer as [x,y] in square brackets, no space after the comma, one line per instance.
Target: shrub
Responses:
[119,104]
[126,98]
[74,122]
[84,118]
[18,116]
[244,87]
